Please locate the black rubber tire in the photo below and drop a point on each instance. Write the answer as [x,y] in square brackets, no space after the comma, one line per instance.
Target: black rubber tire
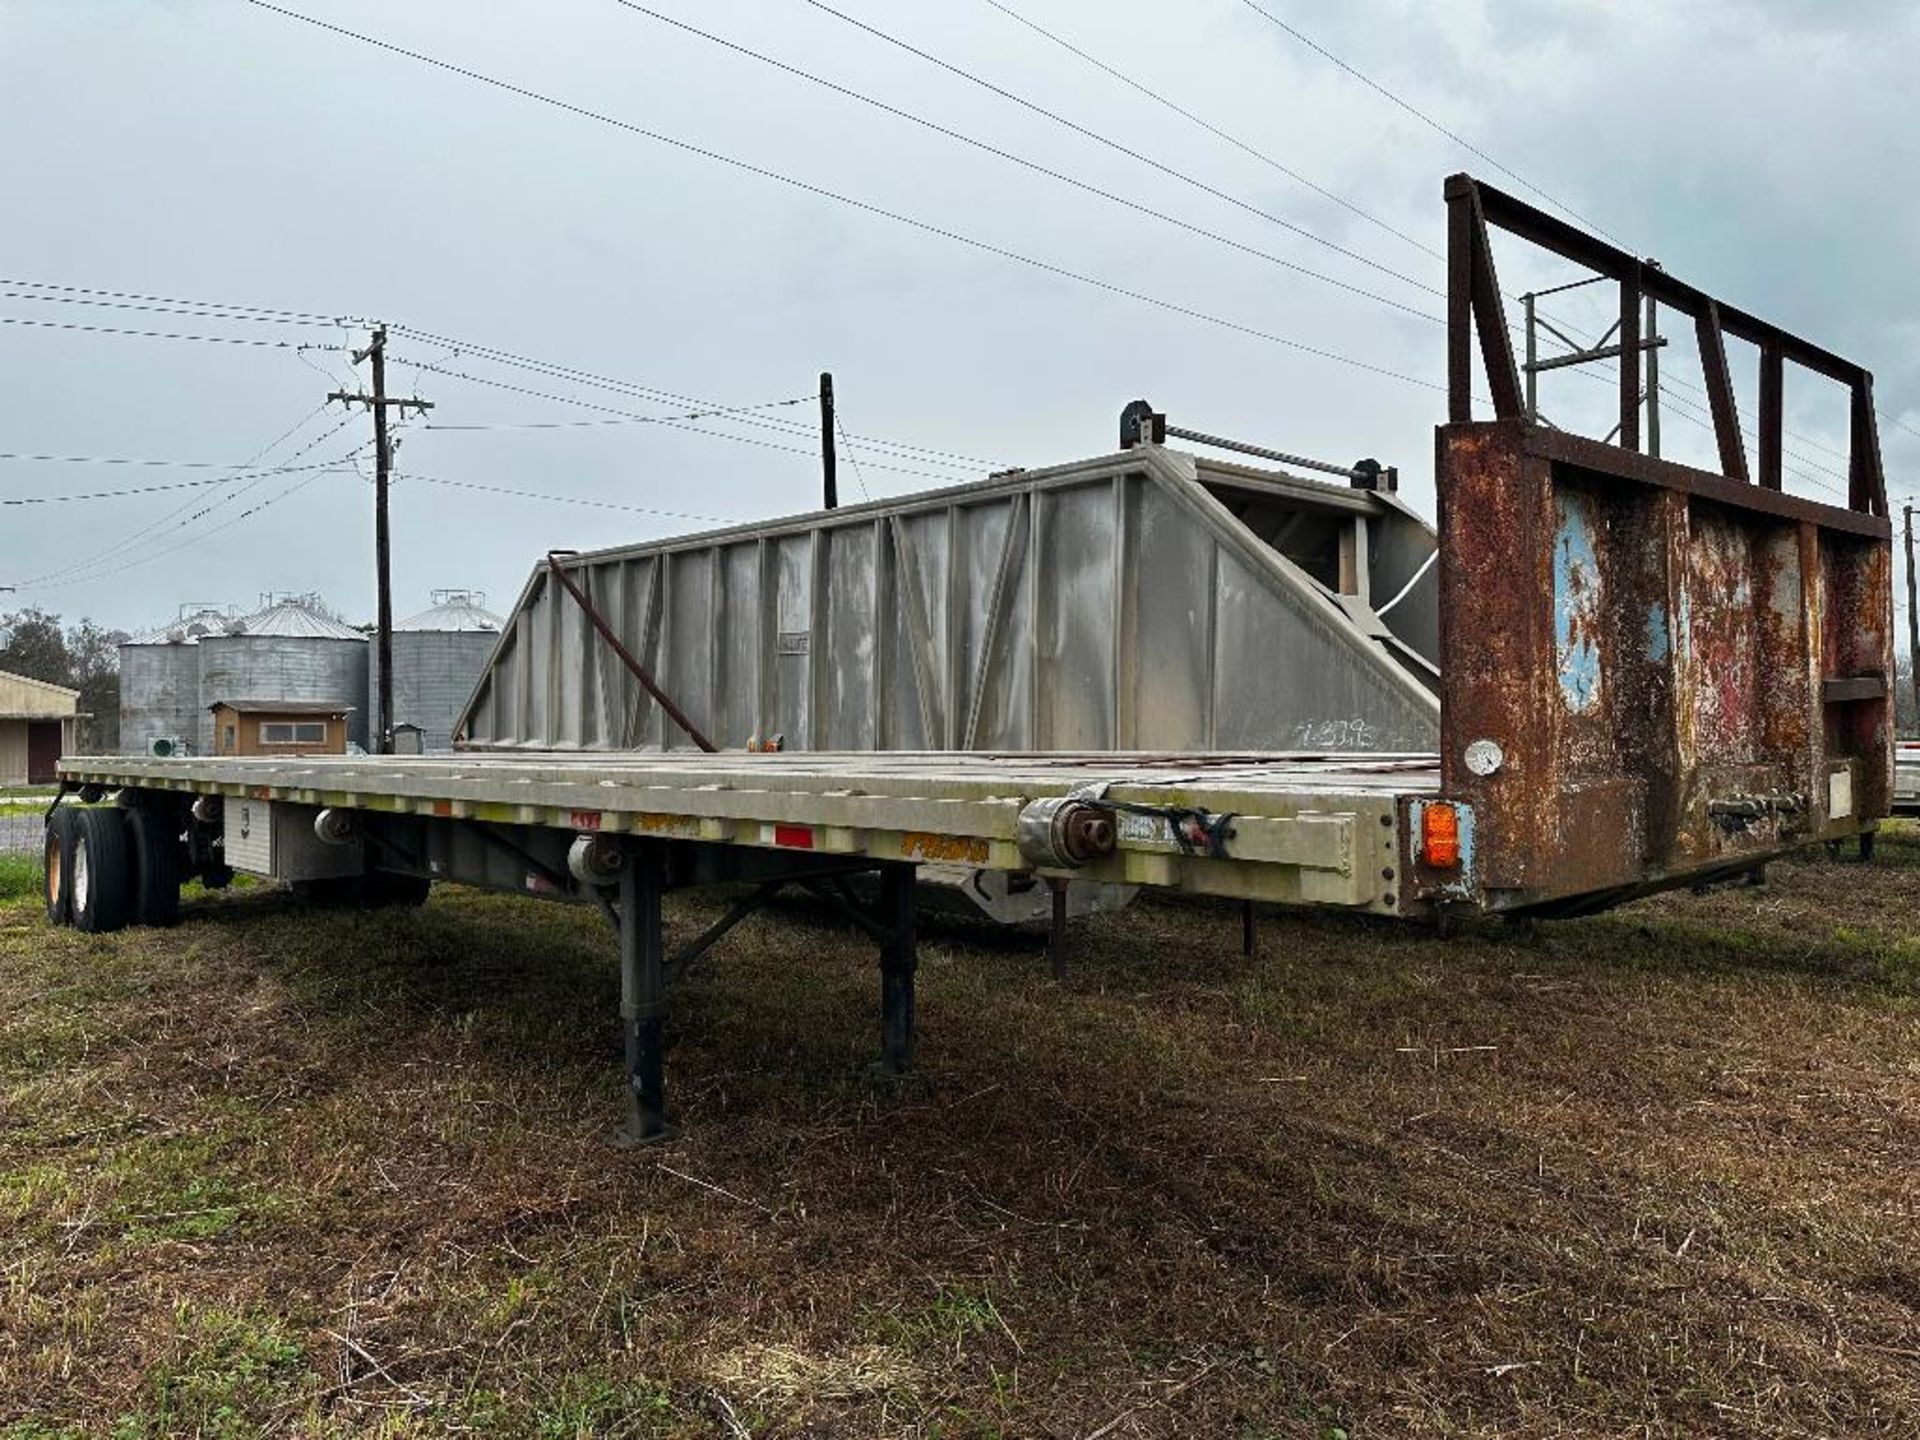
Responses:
[156,861]
[57,860]
[100,875]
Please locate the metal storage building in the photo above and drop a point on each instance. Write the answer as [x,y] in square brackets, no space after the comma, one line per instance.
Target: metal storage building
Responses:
[438,657]
[291,650]
[160,682]
[37,727]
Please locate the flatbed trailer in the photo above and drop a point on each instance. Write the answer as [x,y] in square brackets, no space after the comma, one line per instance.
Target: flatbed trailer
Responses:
[1649,675]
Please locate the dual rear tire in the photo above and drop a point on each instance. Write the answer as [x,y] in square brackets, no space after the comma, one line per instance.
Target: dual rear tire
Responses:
[107,868]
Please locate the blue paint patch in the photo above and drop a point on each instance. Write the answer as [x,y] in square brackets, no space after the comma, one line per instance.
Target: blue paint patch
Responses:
[1576,607]
[1659,641]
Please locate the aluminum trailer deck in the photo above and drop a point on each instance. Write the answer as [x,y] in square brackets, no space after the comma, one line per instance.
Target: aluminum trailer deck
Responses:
[1297,829]
[1649,675]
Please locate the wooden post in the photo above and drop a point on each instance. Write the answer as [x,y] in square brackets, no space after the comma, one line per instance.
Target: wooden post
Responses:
[829,463]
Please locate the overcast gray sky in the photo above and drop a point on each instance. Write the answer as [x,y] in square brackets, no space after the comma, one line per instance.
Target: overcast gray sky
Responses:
[1763,149]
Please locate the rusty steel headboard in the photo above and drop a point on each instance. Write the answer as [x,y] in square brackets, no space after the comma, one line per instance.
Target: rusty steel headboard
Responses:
[1474,301]
[1650,672]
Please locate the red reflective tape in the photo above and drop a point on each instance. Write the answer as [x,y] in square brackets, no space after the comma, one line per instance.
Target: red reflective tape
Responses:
[586,819]
[794,837]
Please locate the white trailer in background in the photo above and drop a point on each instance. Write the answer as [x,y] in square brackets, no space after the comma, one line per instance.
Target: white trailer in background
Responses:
[1906,778]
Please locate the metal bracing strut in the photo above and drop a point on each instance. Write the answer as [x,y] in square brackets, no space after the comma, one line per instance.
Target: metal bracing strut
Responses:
[627,658]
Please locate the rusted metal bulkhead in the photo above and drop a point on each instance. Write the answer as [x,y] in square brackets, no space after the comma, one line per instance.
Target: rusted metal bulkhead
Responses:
[1674,683]
[1650,672]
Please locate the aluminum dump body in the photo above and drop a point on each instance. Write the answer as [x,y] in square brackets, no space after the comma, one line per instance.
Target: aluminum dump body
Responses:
[1146,600]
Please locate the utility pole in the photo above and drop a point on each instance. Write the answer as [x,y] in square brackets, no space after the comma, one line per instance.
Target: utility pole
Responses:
[1532,367]
[1579,352]
[829,464]
[1652,341]
[1913,622]
[377,403]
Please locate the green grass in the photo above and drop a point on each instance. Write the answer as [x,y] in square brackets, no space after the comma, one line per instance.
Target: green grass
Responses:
[277,1172]
[222,1371]
[20,877]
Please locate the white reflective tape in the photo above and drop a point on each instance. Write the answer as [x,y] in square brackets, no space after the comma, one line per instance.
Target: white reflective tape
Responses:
[1839,794]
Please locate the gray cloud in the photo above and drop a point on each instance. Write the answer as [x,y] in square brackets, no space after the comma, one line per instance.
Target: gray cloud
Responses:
[1760,148]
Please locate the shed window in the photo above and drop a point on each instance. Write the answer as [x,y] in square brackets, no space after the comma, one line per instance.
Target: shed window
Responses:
[293,732]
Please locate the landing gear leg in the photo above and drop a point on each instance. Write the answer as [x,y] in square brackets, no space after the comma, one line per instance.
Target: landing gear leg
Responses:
[1057,933]
[899,958]
[643,995]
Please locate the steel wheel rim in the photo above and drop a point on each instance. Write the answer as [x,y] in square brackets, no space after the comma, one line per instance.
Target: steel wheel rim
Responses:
[82,875]
[53,859]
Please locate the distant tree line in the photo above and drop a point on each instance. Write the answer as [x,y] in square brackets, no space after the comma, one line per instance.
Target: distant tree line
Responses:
[84,656]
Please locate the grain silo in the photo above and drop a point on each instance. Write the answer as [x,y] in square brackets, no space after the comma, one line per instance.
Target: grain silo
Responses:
[160,682]
[293,650]
[438,656]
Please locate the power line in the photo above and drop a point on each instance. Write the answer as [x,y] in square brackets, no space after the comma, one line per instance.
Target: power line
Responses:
[1029,164]
[553,370]
[157,334]
[1262,156]
[1689,410]
[333,468]
[313,316]
[1512,174]
[671,422]
[69,497]
[154,527]
[557,499]
[1171,171]
[636,420]
[1422,116]
[124,460]
[1239,144]
[852,459]
[204,312]
[927,227]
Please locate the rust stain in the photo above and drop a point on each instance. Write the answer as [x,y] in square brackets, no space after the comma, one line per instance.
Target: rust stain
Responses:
[958,849]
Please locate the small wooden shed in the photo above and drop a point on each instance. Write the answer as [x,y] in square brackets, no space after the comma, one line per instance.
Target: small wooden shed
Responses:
[279,727]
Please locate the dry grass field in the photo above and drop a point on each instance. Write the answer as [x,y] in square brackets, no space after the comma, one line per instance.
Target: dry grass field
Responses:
[1652,1174]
